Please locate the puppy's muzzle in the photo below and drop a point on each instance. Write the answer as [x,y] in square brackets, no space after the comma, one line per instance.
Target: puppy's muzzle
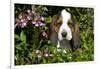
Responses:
[64,34]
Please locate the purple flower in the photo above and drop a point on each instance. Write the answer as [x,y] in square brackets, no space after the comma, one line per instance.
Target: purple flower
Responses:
[29,17]
[38,23]
[41,23]
[41,18]
[33,22]
[21,23]
[29,12]
[44,34]
[24,17]
[24,20]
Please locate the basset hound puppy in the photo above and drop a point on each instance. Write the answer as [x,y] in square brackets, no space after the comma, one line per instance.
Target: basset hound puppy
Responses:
[64,31]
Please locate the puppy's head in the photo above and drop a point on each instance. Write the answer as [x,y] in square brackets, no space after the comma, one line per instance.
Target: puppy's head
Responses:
[62,25]
[66,29]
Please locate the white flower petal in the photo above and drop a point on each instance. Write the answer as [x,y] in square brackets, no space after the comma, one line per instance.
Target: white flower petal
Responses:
[46,55]
[36,24]
[64,51]
[37,51]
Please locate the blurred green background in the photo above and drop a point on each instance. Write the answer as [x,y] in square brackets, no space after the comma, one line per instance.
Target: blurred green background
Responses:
[32,48]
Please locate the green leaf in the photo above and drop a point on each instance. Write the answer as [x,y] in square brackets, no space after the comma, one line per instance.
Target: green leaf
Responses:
[16,36]
[45,9]
[44,60]
[23,37]
[30,55]
[48,19]
[18,47]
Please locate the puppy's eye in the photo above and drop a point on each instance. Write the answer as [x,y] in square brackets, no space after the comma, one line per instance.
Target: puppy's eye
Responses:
[70,22]
[59,21]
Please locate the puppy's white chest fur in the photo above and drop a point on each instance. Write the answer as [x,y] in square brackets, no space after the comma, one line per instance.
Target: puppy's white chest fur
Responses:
[63,44]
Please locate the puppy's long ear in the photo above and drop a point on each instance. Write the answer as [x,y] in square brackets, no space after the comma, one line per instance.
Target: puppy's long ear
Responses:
[75,42]
[53,31]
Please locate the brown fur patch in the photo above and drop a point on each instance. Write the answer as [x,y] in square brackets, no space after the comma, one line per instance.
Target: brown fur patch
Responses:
[57,21]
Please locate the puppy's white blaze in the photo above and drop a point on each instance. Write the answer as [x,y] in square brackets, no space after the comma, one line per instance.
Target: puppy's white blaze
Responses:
[64,27]
[65,15]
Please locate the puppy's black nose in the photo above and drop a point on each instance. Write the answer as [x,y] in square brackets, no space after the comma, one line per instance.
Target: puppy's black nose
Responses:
[64,34]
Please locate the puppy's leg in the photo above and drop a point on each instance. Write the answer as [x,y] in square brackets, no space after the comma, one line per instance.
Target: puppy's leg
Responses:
[58,45]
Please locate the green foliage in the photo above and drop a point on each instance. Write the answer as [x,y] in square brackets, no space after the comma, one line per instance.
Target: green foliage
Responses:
[30,48]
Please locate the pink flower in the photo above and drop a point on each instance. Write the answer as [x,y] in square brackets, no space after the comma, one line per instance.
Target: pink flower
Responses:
[29,12]
[41,23]
[46,55]
[41,18]
[33,22]
[21,23]
[44,34]
[38,23]
[29,17]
